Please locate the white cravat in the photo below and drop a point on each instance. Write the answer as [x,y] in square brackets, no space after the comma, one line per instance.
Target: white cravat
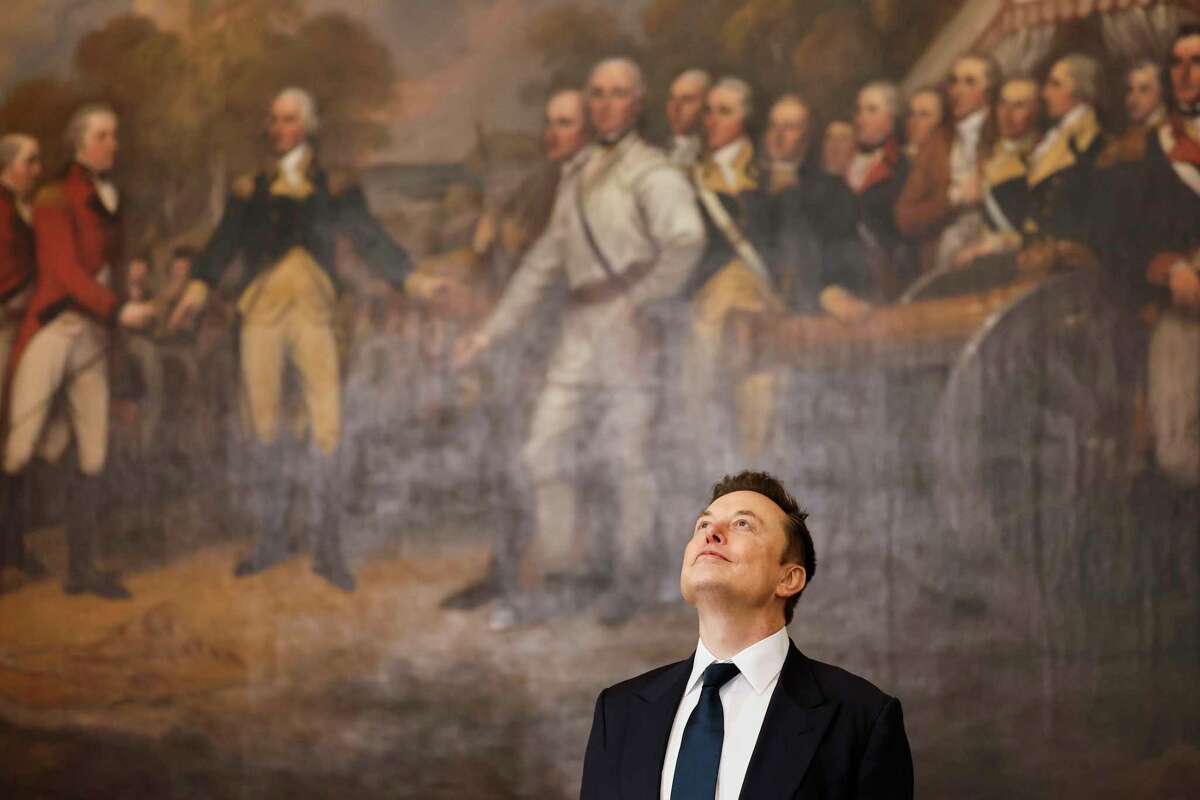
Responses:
[685,150]
[108,194]
[1058,131]
[861,166]
[289,165]
[744,701]
[725,158]
[964,155]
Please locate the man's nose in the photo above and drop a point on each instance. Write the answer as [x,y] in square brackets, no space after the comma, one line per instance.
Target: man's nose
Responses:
[715,534]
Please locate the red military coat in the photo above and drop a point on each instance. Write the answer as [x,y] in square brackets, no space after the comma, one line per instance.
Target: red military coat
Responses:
[16,248]
[76,237]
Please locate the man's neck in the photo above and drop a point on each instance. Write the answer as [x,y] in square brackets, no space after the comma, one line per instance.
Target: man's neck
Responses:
[7,184]
[91,170]
[728,631]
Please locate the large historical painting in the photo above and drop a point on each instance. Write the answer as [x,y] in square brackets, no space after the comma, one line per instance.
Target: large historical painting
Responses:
[366,365]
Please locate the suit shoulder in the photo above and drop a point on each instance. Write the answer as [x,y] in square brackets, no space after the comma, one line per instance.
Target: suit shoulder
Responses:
[243,185]
[847,688]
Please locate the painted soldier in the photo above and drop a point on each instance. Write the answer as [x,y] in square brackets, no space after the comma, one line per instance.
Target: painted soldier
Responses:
[64,341]
[739,271]
[1004,167]
[20,168]
[685,108]
[625,234]
[1164,186]
[1061,175]
[515,365]
[283,222]
[941,205]
[876,174]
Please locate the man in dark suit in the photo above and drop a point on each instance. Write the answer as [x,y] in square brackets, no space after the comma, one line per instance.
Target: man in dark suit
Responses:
[747,715]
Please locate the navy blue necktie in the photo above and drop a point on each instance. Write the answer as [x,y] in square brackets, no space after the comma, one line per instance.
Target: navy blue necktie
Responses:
[700,751]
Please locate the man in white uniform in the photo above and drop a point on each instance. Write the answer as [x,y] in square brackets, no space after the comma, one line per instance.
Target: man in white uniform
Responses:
[625,234]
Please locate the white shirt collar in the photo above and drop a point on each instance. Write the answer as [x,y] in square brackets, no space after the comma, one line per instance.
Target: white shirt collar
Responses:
[725,157]
[730,152]
[1072,116]
[290,163]
[760,663]
[970,126]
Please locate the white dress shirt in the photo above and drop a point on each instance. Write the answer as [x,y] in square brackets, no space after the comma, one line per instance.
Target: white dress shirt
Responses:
[744,701]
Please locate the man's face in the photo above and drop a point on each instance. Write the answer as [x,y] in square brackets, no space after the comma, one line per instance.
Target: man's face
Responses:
[285,125]
[566,129]
[22,174]
[136,272]
[1185,70]
[924,115]
[613,101]
[180,268]
[1017,110]
[967,88]
[685,102]
[874,122]
[786,138]
[98,146]
[1143,94]
[837,149]
[736,552]
[1059,92]
[724,118]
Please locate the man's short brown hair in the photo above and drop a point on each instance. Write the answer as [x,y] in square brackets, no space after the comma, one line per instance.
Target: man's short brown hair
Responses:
[799,548]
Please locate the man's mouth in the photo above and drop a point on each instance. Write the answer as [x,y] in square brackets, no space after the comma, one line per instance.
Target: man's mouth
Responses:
[712,553]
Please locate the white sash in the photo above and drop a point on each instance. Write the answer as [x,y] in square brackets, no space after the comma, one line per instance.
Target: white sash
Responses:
[725,224]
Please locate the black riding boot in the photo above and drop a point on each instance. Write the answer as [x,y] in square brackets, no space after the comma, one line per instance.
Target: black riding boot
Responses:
[14,522]
[326,500]
[269,501]
[82,575]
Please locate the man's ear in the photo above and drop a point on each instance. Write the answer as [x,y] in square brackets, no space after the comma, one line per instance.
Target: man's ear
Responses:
[792,581]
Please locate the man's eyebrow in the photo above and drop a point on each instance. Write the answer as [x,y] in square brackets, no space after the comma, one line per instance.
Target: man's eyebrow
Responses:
[747,512]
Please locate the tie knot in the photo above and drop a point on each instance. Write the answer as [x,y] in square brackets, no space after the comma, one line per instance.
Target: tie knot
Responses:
[717,675]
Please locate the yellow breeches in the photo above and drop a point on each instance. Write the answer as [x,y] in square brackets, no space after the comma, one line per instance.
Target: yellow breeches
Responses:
[737,288]
[287,317]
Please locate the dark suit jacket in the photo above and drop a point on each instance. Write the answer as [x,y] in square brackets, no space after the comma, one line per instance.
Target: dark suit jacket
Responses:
[827,734]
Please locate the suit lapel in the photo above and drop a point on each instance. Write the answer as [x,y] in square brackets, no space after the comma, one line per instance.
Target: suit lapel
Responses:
[796,721]
[649,729]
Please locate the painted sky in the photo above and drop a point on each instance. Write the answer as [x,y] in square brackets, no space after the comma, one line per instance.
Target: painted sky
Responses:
[462,60]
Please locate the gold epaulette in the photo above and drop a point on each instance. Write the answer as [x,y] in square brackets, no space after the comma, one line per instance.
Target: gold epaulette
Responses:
[1129,146]
[51,195]
[243,186]
[341,180]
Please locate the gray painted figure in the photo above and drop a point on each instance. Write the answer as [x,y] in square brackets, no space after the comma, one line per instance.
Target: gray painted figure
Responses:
[625,234]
